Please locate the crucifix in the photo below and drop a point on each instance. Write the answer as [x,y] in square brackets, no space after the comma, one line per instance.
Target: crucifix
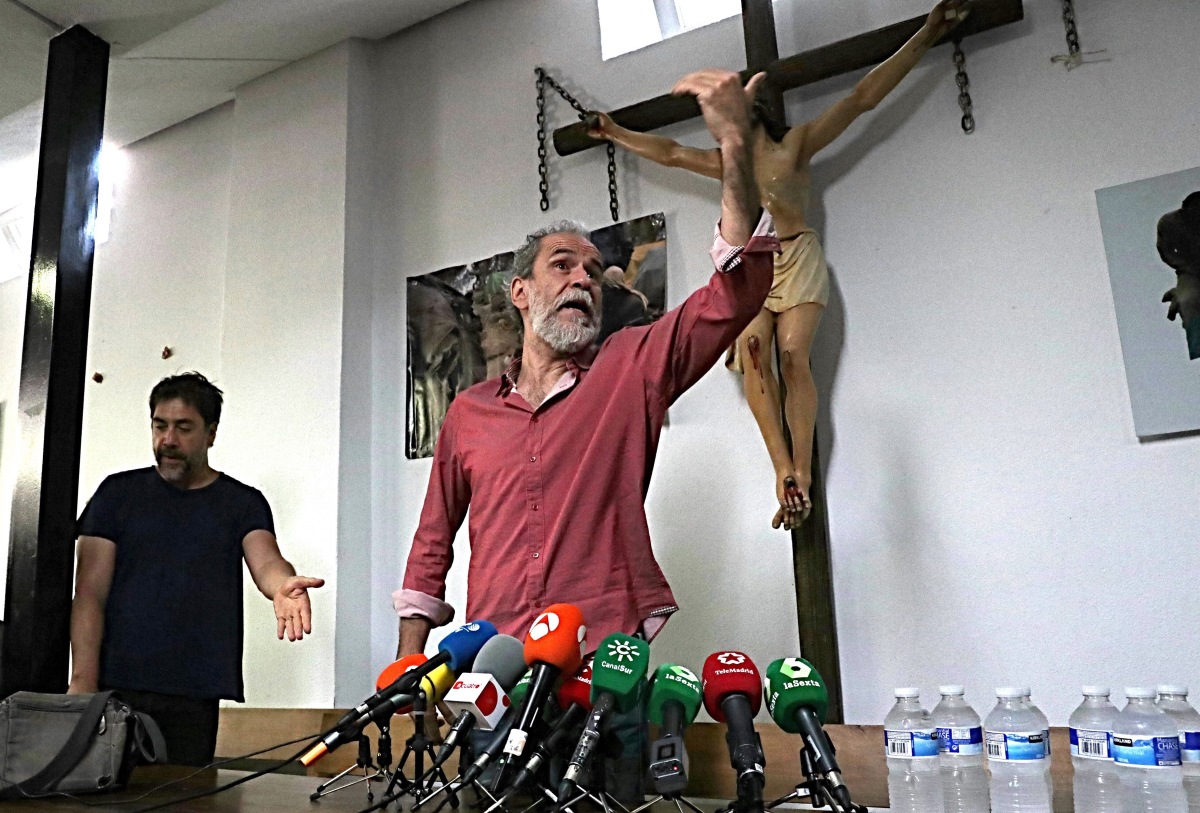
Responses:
[784,403]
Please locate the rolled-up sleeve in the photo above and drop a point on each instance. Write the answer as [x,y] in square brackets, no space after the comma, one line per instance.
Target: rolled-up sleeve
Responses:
[423,590]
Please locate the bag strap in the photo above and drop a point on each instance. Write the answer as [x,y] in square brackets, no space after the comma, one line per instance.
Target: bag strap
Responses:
[70,754]
[148,739]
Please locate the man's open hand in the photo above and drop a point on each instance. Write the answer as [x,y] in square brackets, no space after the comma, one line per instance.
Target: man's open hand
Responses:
[293,611]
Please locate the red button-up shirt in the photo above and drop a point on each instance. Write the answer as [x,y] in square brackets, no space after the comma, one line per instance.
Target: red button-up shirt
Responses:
[557,493]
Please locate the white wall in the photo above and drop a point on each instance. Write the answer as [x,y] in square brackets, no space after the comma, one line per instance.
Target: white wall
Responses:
[993,516]
[236,235]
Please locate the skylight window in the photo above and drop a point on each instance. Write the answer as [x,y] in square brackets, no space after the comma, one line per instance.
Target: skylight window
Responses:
[627,25]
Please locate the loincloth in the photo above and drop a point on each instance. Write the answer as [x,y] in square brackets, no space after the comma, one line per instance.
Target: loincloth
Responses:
[801,276]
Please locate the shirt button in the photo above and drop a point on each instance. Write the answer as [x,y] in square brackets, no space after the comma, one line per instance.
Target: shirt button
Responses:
[533,459]
[536,555]
[533,419]
[535,507]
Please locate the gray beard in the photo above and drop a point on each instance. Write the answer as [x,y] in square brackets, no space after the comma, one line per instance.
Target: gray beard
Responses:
[567,338]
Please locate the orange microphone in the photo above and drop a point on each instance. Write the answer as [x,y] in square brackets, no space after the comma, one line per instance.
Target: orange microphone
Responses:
[554,645]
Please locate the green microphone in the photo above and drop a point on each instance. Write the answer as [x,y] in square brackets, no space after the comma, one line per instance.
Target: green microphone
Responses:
[618,681]
[797,701]
[674,700]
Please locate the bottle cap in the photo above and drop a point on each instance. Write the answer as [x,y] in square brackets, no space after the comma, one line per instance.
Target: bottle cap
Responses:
[907,692]
[1007,692]
[1099,691]
[952,690]
[1140,693]
[1172,688]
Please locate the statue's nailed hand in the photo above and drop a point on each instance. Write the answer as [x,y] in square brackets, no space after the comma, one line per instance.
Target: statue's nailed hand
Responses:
[599,125]
[946,15]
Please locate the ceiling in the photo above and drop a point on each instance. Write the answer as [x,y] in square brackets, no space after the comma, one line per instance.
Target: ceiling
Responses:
[172,59]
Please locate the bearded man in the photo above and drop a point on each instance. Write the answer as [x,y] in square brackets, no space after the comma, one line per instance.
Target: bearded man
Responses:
[554,457]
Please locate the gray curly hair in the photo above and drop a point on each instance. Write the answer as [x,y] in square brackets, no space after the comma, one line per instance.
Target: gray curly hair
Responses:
[524,256]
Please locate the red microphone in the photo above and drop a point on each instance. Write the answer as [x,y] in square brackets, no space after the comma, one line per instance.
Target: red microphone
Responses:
[733,695]
[554,645]
[577,689]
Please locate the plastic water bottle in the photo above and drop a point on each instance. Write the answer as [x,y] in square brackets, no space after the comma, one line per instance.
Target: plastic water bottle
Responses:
[1173,700]
[960,753]
[1145,745]
[1026,699]
[1015,744]
[1097,785]
[911,746]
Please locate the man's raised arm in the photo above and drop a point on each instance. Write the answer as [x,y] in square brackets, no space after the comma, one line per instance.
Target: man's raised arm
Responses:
[726,107]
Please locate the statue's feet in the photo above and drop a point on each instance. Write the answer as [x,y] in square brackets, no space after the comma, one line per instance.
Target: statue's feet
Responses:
[794,502]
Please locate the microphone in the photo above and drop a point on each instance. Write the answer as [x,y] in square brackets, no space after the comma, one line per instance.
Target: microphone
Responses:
[480,698]
[797,701]
[518,696]
[618,679]
[554,644]
[456,651]
[732,696]
[674,700]
[574,698]
[352,722]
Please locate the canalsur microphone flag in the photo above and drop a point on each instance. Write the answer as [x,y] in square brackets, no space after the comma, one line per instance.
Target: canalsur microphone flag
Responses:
[674,684]
[577,689]
[727,673]
[556,638]
[620,669]
[793,684]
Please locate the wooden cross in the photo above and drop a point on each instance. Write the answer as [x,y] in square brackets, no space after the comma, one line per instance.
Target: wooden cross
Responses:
[810,542]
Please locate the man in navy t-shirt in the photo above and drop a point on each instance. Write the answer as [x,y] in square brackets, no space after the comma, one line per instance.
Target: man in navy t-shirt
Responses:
[158,587]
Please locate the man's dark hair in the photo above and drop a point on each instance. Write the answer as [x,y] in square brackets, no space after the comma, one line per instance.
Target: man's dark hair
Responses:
[194,390]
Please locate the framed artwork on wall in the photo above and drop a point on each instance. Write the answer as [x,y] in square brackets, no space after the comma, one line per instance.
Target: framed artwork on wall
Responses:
[1151,234]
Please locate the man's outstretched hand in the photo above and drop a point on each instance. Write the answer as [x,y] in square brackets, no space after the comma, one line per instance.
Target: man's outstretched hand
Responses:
[293,610]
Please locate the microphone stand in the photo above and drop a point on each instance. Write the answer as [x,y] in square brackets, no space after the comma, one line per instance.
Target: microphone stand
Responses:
[364,761]
[418,746]
[818,790]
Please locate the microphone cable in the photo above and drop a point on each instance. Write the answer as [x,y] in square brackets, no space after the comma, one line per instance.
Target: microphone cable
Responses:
[107,802]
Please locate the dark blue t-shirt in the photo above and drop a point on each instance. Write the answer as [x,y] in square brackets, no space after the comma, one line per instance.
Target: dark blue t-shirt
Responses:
[173,620]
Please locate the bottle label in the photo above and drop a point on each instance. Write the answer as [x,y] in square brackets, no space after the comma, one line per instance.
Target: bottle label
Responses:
[1046,737]
[1090,744]
[910,744]
[1022,747]
[1189,743]
[965,741]
[1160,752]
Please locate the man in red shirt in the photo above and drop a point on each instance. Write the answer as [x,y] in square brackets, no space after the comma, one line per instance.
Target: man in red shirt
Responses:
[554,457]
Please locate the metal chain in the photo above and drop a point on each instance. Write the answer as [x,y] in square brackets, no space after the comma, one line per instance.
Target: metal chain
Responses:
[964,88]
[1068,14]
[543,170]
[544,79]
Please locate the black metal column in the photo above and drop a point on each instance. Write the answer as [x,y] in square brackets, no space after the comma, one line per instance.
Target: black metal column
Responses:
[35,633]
